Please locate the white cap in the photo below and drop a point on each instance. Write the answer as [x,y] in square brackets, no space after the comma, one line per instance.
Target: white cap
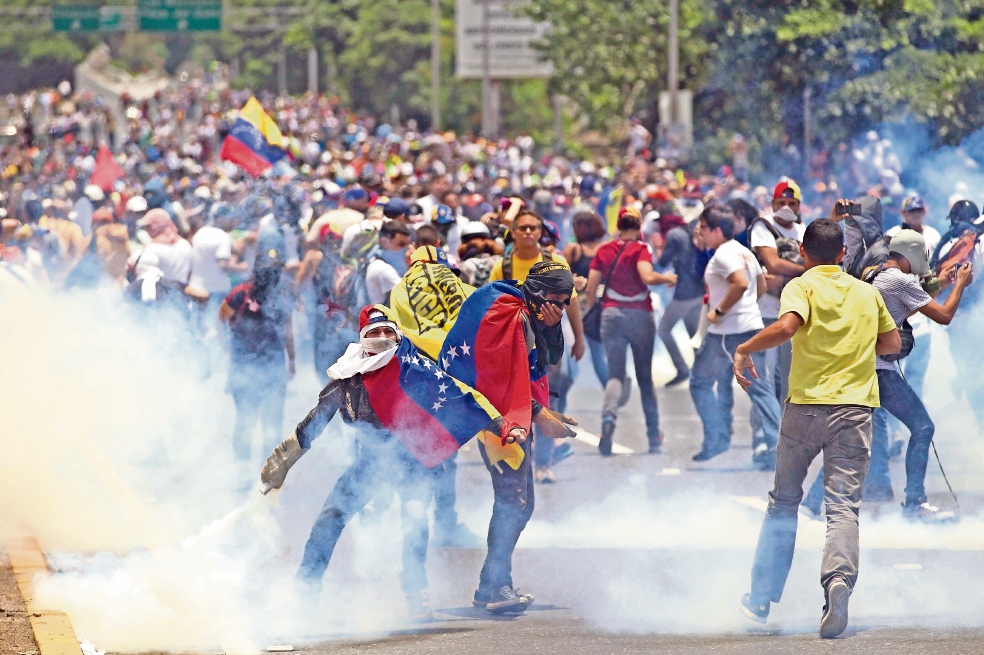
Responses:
[94,193]
[136,204]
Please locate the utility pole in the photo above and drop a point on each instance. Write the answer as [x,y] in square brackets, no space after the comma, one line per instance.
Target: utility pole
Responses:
[673,61]
[807,131]
[558,124]
[435,65]
[488,120]
[313,70]
[282,68]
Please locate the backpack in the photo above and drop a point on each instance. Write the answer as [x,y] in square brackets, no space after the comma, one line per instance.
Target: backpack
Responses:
[905,330]
[963,248]
[787,248]
[873,250]
[507,272]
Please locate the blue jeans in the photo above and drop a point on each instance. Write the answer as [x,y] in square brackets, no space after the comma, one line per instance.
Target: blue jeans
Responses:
[598,359]
[713,364]
[914,367]
[378,465]
[898,399]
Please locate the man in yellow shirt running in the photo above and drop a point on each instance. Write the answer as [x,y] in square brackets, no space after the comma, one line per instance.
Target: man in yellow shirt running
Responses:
[837,325]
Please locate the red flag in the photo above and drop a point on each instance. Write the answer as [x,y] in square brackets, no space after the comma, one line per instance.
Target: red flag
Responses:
[106,171]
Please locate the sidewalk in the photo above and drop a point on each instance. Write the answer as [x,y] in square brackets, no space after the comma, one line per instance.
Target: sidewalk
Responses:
[16,636]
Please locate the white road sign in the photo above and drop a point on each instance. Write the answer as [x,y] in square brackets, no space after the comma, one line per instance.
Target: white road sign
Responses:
[510,35]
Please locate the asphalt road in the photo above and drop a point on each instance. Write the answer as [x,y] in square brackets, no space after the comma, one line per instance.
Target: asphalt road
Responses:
[635,553]
[641,553]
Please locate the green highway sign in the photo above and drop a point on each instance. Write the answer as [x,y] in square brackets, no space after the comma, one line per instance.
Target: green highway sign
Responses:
[180,15]
[85,18]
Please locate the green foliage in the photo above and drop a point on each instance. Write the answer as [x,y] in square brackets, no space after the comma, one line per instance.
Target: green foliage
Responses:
[610,57]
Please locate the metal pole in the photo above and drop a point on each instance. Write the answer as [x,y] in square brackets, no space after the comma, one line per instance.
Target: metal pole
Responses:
[558,124]
[282,68]
[807,131]
[435,65]
[495,108]
[673,61]
[486,74]
[313,70]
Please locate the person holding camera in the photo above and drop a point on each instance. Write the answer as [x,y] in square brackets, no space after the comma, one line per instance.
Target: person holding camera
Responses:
[900,281]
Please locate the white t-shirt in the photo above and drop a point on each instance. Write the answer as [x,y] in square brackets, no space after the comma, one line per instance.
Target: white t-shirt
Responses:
[903,296]
[744,316]
[380,280]
[175,259]
[761,237]
[210,245]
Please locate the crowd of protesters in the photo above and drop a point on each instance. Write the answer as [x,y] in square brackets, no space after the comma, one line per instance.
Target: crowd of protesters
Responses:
[360,212]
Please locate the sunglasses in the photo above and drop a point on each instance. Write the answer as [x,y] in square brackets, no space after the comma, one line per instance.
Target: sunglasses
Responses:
[526,228]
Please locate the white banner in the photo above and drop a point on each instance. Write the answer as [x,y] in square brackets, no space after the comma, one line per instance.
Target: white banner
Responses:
[510,36]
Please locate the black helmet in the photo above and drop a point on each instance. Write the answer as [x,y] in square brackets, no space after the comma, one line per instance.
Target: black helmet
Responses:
[963,211]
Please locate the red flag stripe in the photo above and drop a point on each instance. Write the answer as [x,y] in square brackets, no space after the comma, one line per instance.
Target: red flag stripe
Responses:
[241,155]
[422,434]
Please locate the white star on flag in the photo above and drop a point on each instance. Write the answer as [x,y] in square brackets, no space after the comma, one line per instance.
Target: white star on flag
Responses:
[465,349]
[445,362]
[438,374]
[406,359]
[443,387]
[453,351]
[415,361]
[437,405]
[427,363]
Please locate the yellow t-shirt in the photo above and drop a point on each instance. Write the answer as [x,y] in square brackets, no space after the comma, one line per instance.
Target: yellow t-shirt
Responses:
[521,268]
[834,351]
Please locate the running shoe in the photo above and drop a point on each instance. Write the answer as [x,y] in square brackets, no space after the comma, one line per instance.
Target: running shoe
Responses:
[927,513]
[834,619]
[507,600]
[607,432]
[755,611]
[420,609]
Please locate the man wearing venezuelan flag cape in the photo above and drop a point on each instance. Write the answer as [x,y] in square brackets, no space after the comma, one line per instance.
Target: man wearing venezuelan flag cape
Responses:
[410,417]
[501,343]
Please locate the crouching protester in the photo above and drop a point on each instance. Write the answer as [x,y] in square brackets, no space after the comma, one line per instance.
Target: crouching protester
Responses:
[504,338]
[838,324]
[410,417]
[898,281]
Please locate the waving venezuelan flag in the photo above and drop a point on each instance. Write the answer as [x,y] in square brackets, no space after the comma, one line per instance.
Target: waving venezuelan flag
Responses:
[430,412]
[254,143]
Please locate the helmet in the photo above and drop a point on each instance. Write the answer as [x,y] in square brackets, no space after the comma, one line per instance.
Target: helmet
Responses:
[475,229]
[963,211]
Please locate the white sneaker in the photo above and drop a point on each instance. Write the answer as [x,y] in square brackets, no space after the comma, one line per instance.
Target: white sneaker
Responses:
[927,513]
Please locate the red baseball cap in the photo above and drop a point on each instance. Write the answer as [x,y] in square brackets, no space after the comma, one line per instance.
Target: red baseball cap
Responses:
[787,189]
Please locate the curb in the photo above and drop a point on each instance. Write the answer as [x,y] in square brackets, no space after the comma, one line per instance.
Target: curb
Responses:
[52,630]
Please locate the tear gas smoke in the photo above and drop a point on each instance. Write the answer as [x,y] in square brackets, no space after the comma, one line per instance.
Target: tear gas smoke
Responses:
[118,458]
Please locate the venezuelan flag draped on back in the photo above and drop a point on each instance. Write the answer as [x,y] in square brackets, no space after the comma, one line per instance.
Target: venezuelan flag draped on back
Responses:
[486,349]
[254,143]
[430,412]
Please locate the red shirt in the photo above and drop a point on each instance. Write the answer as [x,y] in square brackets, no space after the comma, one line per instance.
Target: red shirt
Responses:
[625,288]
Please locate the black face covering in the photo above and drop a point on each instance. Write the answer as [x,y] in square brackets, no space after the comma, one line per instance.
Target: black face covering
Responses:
[543,279]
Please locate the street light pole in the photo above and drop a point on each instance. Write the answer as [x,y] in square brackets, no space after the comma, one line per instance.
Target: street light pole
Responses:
[487,127]
[673,61]
[435,65]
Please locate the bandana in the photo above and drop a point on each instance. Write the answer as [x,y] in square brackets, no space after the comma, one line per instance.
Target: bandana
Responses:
[546,278]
